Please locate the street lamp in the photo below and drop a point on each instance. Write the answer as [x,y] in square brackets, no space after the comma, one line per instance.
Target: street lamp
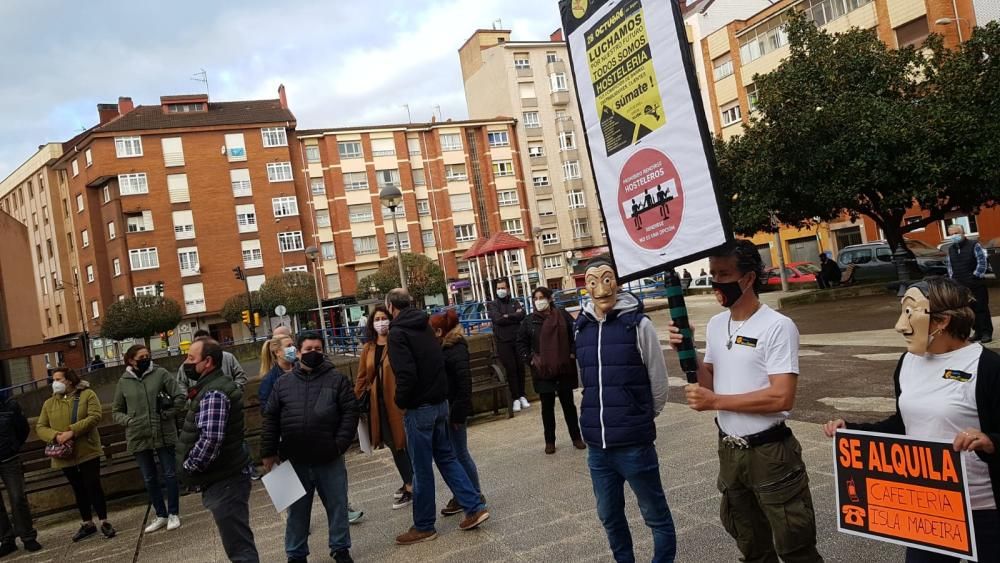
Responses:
[312,253]
[949,21]
[391,197]
[61,286]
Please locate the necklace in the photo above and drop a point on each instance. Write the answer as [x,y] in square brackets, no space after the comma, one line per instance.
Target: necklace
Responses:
[734,333]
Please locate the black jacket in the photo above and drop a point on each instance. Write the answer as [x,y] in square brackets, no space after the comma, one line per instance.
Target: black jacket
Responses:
[987,402]
[530,331]
[505,329]
[456,363]
[417,361]
[830,271]
[310,416]
[13,428]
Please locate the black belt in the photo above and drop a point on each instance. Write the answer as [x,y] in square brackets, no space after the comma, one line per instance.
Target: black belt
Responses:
[776,433]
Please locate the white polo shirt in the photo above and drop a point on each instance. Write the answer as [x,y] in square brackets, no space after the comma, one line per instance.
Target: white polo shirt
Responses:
[766,344]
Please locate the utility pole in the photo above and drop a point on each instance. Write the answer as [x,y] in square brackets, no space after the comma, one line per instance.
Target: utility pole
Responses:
[781,252]
[241,275]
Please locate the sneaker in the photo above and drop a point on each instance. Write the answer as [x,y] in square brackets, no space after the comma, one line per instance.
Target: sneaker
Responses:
[108,530]
[986,338]
[32,545]
[157,525]
[342,556]
[403,501]
[524,403]
[473,521]
[451,508]
[355,516]
[415,536]
[86,530]
[579,444]
[517,405]
[173,522]
[550,448]
[7,548]
[399,493]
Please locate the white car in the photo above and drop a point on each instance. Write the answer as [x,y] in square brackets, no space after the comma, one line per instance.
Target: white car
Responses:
[701,282]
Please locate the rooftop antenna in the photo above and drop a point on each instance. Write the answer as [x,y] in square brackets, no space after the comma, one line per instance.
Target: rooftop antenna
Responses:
[438,110]
[498,23]
[409,118]
[202,77]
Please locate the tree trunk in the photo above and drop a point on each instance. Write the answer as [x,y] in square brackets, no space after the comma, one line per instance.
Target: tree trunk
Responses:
[894,236]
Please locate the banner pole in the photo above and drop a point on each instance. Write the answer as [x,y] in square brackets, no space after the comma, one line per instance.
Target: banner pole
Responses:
[678,313]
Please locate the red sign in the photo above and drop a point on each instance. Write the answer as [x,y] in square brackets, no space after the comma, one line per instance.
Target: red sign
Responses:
[650,199]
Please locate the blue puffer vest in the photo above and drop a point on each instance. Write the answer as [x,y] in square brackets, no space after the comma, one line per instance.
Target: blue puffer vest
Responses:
[617,407]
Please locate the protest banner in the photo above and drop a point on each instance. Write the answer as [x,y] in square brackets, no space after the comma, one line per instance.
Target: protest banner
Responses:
[905,491]
[646,132]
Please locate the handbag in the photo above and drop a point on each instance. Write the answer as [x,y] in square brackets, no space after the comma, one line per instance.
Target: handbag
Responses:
[65,450]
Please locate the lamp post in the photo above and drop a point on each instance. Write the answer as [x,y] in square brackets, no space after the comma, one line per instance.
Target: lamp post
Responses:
[311,253]
[956,21]
[391,197]
[537,232]
[61,286]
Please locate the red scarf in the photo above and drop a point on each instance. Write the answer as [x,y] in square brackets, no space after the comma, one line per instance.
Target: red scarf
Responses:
[553,346]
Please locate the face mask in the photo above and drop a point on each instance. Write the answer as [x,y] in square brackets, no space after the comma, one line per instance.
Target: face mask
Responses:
[930,337]
[312,360]
[58,387]
[290,354]
[542,304]
[729,291]
[382,327]
[502,293]
[142,365]
[191,371]
[956,238]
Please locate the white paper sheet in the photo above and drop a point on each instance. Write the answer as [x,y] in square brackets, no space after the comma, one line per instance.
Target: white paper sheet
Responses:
[364,440]
[283,486]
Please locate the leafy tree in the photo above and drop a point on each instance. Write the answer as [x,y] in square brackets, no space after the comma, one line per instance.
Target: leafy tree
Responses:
[424,278]
[232,309]
[140,317]
[295,290]
[848,125]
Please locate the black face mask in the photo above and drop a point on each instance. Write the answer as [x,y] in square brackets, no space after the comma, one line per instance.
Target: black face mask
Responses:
[190,370]
[312,360]
[731,292]
[142,365]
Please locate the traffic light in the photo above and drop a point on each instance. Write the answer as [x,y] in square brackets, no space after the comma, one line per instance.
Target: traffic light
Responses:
[256,319]
[238,272]
[246,317]
[159,289]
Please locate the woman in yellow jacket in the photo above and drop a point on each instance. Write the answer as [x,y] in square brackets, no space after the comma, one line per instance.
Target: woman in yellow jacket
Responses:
[73,414]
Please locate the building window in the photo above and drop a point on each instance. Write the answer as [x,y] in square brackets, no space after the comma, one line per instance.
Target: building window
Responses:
[274,137]
[236,149]
[404,241]
[252,256]
[513,226]
[88,157]
[95,310]
[413,146]
[576,199]
[329,251]
[549,238]
[144,290]
[355,181]
[552,262]
[290,241]
[535,150]
[84,238]
[45,285]
[38,253]
[117,265]
[567,140]
[539,180]
[173,151]
[383,147]
[246,218]
[546,208]
[824,11]
[571,169]
[461,202]
[79,203]
[177,188]
[507,198]
[503,168]
[531,119]
[400,212]
[132,184]
[723,66]
[753,97]
[59,315]
[240,180]
[463,267]
[312,153]
[48,248]
[323,218]
[498,139]
[360,213]
[521,61]
[455,172]
[912,34]
[451,142]
[581,228]
[764,39]
[194,295]
[90,273]
[423,207]
[418,177]
[730,113]
[111,231]
[349,149]
[317,186]
[285,206]
[279,171]
[384,178]
[557,82]
[183,224]
[106,192]
[188,260]
[143,259]
[286,269]
[185,108]
[365,245]
[551,57]
[465,233]
[128,147]
[427,238]
[967,222]
[139,222]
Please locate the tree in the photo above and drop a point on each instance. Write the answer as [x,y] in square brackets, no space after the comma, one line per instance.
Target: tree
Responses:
[232,309]
[423,278]
[140,317]
[295,290]
[848,125]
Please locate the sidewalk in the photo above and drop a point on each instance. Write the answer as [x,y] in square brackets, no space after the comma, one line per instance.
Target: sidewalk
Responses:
[542,507]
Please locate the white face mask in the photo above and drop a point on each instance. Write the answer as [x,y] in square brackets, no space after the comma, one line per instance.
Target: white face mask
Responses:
[542,304]
[382,327]
[58,387]
[502,293]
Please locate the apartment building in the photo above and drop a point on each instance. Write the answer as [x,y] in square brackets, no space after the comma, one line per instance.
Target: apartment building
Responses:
[460,181]
[181,193]
[31,195]
[531,81]
[19,321]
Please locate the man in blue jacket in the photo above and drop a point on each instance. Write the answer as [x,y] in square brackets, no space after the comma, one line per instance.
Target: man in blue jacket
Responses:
[624,381]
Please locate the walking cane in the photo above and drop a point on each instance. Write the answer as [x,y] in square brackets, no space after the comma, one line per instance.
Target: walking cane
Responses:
[679,314]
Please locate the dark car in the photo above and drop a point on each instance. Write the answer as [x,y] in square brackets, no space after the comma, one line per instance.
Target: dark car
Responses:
[873,261]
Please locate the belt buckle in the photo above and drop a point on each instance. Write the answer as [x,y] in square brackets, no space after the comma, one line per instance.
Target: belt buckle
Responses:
[736,442]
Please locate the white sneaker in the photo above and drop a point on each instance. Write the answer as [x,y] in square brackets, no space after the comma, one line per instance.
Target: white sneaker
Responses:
[173,522]
[517,405]
[524,403]
[157,524]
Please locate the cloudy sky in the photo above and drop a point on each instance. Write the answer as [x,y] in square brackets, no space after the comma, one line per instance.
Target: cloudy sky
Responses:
[342,63]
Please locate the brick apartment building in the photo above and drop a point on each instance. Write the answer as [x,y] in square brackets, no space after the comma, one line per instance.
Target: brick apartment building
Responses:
[461,181]
[182,192]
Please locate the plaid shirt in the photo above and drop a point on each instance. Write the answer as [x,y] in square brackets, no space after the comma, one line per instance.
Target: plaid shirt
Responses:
[980,253]
[213,413]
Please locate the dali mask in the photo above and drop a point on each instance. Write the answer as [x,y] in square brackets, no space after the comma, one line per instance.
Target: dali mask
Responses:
[602,284]
[915,320]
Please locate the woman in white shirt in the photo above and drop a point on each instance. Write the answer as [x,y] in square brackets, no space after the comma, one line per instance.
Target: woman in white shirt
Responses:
[948,388]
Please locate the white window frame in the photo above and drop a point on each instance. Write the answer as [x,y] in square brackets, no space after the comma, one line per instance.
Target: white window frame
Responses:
[95,310]
[567,141]
[531,120]
[576,199]
[731,114]
[535,151]
[76,167]
[522,61]
[90,273]
[427,238]
[558,82]
[571,170]
[423,207]
[349,154]
[451,141]
[106,192]
[183,230]
[84,239]
[550,238]
[246,221]
[88,157]
[419,177]
[353,185]
[460,202]
[355,214]
[133,184]
[451,176]
[365,245]
[502,168]
[581,227]
[390,241]
[116,264]
[128,147]
[300,268]
[465,233]
[79,203]
[137,256]
[722,68]
[313,151]
[332,255]
[285,206]
[279,172]
[112,232]
[498,138]
[253,257]
[540,180]
[189,266]
[317,186]
[513,226]
[322,218]
[140,290]
[552,262]
[274,137]
[507,198]
[241,187]
[287,241]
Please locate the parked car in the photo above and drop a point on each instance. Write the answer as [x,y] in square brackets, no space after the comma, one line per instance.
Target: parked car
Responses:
[992,248]
[873,261]
[701,282]
[805,267]
[796,275]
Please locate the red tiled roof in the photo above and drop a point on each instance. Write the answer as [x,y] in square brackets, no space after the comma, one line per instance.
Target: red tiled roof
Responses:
[496,243]
[219,113]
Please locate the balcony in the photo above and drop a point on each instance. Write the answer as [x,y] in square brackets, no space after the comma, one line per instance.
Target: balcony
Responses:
[194,306]
[543,190]
[560,98]
[567,155]
[529,102]
[248,264]
[565,124]
[573,184]
[524,72]
[555,67]
[539,161]
[534,132]
[548,220]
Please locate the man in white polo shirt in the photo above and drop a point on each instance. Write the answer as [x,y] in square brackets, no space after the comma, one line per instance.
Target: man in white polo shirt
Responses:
[749,376]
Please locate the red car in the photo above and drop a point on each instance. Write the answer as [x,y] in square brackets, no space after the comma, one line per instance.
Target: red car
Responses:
[797,272]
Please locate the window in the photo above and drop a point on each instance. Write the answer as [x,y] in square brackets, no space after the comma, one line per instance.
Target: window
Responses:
[455,172]
[59,316]
[240,180]
[723,66]
[365,245]
[312,153]
[38,253]
[285,206]
[730,113]
[531,120]
[427,238]
[385,178]
[349,149]
[581,228]
[528,94]
[461,202]
[498,139]
[576,199]
[132,184]
[513,226]
[552,262]
[551,57]
[274,137]
[246,218]
[188,260]
[387,214]
[463,267]
[354,181]
[286,269]
[317,186]
[546,208]
[404,241]
[290,241]
[144,290]
[571,169]
[45,285]
[451,142]
[521,61]
[139,222]
[360,213]
[764,39]
[279,171]
[567,140]
[48,248]
[913,33]
[503,168]
[823,11]
[252,256]
[236,149]
[88,157]
[329,251]
[183,224]
[111,231]
[194,297]
[507,198]
[79,203]
[143,259]
[322,218]
[107,194]
[423,207]
[185,108]
[550,238]
[418,177]
[465,233]
[84,238]
[128,147]
[117,265]
[413,146]
[968,222]
[557,82]
[90,273]
[536,149]
[177,188]
[95,310]
[383,147]
[753,98]
[69,240]
[173,151]
[539,180]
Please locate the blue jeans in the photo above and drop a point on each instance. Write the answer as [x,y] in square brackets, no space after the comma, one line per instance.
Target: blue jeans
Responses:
[427,440]
[460,443]
[330,481]
[639,466]
[147,466]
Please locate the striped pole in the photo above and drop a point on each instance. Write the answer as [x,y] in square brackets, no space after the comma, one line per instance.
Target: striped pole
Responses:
[679,314]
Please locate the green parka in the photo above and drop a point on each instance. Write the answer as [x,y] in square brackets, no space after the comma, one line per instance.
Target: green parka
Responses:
[57,416]
[147,408]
